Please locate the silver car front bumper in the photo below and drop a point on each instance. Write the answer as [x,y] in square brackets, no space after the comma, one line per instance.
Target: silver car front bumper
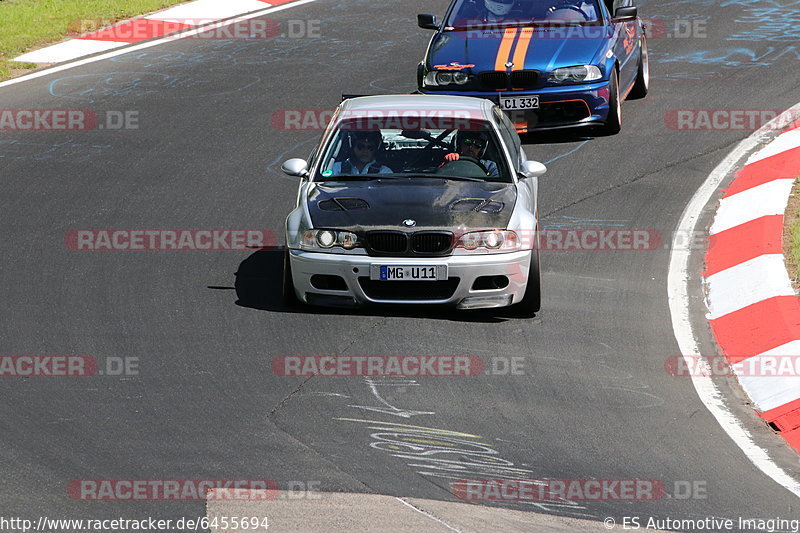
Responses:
[458,291]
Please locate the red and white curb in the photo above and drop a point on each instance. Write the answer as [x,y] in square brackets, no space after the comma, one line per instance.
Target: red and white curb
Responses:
[753,309]
[177,18]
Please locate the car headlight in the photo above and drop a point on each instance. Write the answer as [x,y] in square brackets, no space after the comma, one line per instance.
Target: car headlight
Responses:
[578,73]
[436,78]
[314,239]
[489,240]
[326,239]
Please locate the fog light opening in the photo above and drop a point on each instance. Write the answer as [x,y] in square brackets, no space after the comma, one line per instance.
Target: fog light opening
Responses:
[328,283]
[490,283]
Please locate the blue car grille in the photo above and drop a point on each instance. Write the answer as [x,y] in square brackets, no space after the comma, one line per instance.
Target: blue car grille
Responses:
[493,80]
[524,79]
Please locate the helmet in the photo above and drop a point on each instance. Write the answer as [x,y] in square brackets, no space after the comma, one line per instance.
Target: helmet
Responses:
[477,138]
[371,135]
[499,8]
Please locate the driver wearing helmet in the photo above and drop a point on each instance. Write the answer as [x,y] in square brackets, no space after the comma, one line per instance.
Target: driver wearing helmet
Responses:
[573,10]
[364,147]
[498,9]
[473,144]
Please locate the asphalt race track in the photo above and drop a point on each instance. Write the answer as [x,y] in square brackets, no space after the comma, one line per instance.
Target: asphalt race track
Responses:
[594,400]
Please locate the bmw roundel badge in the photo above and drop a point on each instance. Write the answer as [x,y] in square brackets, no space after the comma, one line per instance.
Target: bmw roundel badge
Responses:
[409,223]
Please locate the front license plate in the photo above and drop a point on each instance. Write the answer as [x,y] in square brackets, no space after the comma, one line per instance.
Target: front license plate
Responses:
[408,273]
[510,103]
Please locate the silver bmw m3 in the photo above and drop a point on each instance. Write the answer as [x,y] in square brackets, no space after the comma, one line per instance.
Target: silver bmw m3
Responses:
[415,199]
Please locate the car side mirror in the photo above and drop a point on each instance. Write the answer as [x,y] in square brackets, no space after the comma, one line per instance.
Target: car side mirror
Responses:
[625,14]
[295,167]
[532,169]
[427,21]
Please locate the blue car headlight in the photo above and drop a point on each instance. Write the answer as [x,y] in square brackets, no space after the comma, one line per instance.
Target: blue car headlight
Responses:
[576,73]
[438,78]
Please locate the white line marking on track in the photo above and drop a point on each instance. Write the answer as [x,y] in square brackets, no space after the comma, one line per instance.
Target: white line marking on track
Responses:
[208,10]
[68,50]
[678,297]
[390,409]
[417,509]
[149,44]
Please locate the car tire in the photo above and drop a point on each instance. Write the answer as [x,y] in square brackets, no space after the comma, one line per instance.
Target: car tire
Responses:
[642,84]
[614,120]
[289,296]
[532,300]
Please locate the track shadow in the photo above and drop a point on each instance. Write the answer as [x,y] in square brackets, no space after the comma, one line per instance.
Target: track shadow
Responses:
[259,281]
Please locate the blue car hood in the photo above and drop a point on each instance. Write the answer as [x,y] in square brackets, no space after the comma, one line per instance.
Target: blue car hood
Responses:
[479,50]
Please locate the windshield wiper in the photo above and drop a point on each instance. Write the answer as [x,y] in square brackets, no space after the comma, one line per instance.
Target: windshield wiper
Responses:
[524,23]
[355,177]
[455,178]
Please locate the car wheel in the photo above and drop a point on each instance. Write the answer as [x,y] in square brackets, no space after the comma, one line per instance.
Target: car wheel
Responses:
[614,120]
[289,296]
[532,300]
[642,84]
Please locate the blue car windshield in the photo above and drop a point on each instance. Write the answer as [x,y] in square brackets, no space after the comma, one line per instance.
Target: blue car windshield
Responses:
[476,13]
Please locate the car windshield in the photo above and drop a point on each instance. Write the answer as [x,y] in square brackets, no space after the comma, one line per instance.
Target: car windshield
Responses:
[478,13]
[413,146]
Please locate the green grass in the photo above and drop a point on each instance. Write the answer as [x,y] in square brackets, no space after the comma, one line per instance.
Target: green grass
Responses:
[792,221]
[28,24]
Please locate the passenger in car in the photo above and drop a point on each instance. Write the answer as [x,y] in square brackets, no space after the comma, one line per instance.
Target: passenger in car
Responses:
[364,147]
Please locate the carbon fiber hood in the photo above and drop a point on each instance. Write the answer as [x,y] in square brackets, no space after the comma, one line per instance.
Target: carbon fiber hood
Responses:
[429,202]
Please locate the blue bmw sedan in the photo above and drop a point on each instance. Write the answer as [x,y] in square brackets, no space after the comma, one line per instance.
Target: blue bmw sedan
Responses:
[549,64]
